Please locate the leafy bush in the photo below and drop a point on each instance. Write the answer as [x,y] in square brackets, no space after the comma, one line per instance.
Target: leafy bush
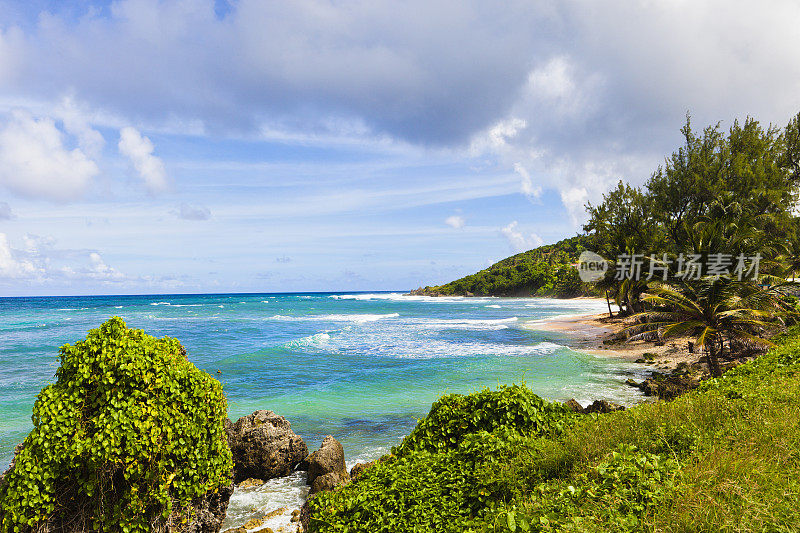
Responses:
[513,407]
[129,431]
[469,453]
[447,491]
[422,492]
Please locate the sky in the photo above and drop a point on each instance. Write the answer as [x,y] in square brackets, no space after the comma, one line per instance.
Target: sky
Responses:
[183,146]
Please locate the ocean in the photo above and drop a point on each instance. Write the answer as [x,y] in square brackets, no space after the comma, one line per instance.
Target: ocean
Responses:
[362,367]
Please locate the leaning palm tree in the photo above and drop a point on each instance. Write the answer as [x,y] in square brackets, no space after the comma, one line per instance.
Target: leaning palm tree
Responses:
[713,310]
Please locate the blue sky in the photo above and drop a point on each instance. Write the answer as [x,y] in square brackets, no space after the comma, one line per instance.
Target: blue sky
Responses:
[199,146]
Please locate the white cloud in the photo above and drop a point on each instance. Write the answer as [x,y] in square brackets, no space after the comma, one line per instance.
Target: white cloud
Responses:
[35,163]
[518,241]
[39,261]
[5,211]
[12,265]
[498,136]
[99,270]
[528,188]
[193,212]
[574,199]
[139,150]
[455,221]
[76,122]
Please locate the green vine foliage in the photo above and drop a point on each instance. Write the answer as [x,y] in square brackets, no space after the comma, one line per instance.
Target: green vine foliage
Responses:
[471,453]
[129,432]
[513,407]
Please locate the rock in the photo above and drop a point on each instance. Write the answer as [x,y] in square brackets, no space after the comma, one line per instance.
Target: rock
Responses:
[573,405]
[673,386]
[254,523]
[207,513]
[250,483]
[329,481]
[360,468]
[327,460]
[649,387]
[235,530]
[603,406]
[632,383]
[305,514]
[264,446]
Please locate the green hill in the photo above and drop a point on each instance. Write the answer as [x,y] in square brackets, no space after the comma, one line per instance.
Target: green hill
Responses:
[543,271]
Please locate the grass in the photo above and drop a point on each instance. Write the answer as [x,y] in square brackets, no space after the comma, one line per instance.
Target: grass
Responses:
[723,458]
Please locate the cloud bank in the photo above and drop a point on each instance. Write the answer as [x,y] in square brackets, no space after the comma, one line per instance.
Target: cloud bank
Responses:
[569,94]
[39,261]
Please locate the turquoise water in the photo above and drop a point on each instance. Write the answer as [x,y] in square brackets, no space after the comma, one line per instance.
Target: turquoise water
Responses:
[362,367]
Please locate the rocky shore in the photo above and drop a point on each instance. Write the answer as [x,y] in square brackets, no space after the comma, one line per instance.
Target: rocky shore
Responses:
[675,365]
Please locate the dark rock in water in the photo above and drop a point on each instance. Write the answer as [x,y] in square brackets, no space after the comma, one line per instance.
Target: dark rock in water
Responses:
[632,383]
[360,468]
[295,515]
[673,386]
[649,387]
[329,459]
[603,406]
[670,386]
[250,483]
[264,446]
[207,513]
[573,405]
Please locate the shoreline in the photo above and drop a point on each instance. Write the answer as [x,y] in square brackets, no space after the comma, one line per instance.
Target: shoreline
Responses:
[598,334]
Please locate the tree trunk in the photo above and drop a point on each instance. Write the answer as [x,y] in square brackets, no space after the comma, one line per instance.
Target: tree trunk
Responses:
[713,362]
[610,314]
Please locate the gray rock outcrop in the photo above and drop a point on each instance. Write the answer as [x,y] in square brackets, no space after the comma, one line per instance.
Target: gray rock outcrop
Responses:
[326,466]
[264,446]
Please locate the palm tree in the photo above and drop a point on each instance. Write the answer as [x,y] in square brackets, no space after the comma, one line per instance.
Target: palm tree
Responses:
[712,310]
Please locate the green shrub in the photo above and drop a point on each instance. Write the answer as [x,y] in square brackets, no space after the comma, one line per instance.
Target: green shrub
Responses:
[446,491]
[422,492]
[468,454]
[513,407]
[129,432]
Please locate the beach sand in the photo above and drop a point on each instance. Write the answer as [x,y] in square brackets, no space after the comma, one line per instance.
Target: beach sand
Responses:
[587,333]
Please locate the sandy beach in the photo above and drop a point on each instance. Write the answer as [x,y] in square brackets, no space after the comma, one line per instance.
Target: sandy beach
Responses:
[588,333]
